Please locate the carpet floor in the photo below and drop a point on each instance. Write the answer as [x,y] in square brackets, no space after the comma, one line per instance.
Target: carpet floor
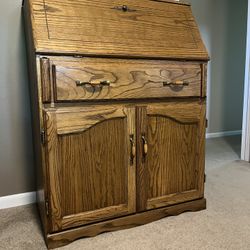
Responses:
[225,224]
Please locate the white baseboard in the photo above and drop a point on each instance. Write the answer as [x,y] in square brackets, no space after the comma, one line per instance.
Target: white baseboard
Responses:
[29,198]
[17,200]
[223,134]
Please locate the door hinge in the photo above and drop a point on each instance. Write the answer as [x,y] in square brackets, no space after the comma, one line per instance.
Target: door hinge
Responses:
[43,136]
[47,207]
[78,56]
[205,178]
[206,123]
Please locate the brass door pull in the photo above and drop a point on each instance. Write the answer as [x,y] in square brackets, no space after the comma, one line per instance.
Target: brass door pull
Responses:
[176,83]
[93,84]
[145,145]
[133,149]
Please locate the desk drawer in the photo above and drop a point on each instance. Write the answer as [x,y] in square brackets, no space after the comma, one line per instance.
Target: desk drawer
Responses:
[79,79]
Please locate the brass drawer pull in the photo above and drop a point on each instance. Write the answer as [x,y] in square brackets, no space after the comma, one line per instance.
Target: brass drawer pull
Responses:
[93,84]
[145,145]
[176,83]
[133,149]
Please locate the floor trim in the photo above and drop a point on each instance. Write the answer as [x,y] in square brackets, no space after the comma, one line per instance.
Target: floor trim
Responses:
[17,200]
[223,134]
[29,198]
[65,237]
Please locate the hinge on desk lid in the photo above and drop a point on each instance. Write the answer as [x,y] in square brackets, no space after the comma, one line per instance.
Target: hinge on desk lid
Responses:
[43,136]
[78,56]
[47,207]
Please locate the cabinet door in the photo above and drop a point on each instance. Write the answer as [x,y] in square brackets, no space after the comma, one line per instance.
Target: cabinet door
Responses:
[91,165]
[171,139]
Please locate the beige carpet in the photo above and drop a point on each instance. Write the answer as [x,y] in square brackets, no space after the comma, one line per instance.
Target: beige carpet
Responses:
[224,225]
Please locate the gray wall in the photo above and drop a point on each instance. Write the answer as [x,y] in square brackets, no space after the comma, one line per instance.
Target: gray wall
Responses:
[16,156]
[223,25]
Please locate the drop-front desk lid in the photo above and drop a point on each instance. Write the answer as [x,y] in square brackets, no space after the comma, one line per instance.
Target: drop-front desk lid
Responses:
[131,28]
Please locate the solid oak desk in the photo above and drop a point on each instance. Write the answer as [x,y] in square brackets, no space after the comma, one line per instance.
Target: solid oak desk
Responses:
[118,96]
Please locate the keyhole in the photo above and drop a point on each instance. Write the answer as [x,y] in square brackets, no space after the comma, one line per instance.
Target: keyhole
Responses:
[125,8]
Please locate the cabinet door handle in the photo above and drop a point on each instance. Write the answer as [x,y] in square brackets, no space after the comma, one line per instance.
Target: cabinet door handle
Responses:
[132,150]
[176,83]
[145,145]
[93,84]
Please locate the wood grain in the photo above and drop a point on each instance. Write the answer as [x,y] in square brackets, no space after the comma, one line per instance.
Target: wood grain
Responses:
[152,29]
[91,176]
[84,169]
[129,79]
[141,171]
[42,188]
[52,152]
[172,170]
[45,78]
[64,238]
[173,1]
[201,158]
[204,80]
[79,119]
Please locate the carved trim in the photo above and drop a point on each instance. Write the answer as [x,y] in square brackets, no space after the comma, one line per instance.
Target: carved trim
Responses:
[195,121]
[65,237]
[61,132]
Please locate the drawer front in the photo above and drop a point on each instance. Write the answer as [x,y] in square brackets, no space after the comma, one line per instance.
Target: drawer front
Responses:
[104,79]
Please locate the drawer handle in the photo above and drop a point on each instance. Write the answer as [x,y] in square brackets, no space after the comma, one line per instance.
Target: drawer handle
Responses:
[93,84]
[133,149]
[176,83]
[145,145]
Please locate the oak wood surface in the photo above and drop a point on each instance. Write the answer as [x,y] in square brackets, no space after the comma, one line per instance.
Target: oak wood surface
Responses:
[35,86]
[173,1]
[91,175]
[65,237]
[204,80]
[128,79]
[146,29]
[127,102]
[136,144]
[45,79]
[171,171]
[141,171]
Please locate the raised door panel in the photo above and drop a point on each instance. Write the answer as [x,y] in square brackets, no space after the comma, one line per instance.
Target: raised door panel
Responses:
[91,166]
[171,161]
